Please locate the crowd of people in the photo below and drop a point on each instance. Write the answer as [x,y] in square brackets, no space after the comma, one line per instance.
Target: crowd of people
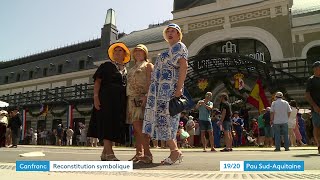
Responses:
[140,97]
[263,131]
[11,129]
[60,136]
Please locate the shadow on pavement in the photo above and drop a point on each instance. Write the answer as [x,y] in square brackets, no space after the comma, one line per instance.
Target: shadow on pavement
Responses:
[306,155]
[142,165]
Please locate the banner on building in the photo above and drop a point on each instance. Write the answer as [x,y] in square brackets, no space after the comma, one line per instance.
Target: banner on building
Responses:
[70,116]
[24,124]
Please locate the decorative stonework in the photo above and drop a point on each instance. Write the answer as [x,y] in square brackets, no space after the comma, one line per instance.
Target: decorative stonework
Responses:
[278,10]
[206,24]
[250,15]
[251,32]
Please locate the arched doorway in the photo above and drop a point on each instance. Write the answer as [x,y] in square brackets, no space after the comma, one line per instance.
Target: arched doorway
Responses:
[313,54]
[218,70]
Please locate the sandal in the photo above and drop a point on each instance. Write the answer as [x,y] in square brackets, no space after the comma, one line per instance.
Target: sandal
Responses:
[145,159]
[225,150]
[103,157]
[213,150]
[169,161]
[135,158]
[111,157]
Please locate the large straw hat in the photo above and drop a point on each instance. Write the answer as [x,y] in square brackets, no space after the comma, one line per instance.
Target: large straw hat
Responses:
[175,26]
[143,48]
[123,46]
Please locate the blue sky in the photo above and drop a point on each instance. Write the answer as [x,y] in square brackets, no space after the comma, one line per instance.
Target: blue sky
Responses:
[29,27]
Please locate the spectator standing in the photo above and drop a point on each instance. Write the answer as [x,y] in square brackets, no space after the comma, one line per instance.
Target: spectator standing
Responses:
[3,127]
[226,113]
[15,126]
[255,128]
[292,122]
[313,97]
[190,126]
[69,136]
[59,135]
[215,119]
[267,128]
[302,128]
[205,107]
[29,136]
[197,134]
[280,113]
[261,125]
[35,137]
[238,127]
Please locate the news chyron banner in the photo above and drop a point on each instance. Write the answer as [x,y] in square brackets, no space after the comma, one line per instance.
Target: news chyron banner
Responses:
[261,166]
[46,166]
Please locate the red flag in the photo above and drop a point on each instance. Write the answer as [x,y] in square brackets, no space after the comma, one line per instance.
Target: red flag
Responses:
[258,97]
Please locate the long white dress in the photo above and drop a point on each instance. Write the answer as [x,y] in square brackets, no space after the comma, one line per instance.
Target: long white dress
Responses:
[293,118]
[163,84]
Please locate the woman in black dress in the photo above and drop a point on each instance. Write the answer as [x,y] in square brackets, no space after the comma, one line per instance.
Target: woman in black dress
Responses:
[108,117]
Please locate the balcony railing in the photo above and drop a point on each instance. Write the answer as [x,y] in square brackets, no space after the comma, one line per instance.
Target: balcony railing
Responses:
[284,72]
[68,95]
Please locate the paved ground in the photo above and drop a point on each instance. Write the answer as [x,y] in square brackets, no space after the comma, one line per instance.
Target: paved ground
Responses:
[196,164]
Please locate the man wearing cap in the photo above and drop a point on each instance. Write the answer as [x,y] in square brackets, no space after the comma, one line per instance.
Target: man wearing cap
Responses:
[313,97]
[15,126]
[3,127]
[280,112]
[205,107]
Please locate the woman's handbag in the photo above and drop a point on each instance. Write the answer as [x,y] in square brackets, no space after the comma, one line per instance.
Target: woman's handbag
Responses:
[177,105]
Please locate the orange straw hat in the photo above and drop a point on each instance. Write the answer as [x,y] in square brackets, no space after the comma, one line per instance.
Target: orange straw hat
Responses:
[123,46]
[143,48]
[172,25]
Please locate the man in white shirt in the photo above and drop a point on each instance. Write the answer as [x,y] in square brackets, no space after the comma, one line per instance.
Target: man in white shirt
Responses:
[280,112]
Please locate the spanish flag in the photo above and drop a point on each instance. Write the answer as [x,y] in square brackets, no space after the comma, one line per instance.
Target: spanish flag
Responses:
[258,97]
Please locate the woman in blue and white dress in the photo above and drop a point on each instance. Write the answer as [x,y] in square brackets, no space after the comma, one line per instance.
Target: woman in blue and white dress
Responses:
[167,81]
